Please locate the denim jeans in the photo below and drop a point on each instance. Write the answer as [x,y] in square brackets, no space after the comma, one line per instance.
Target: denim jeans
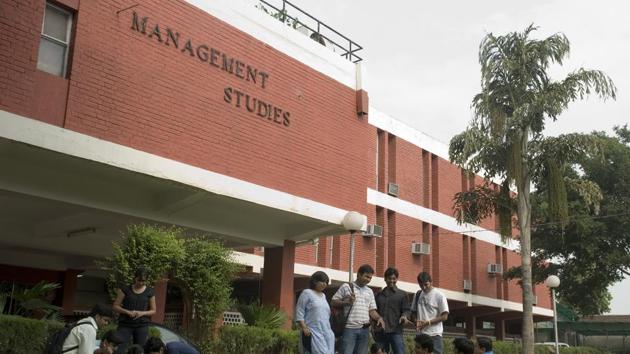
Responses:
[355,341]
[438,347]
[393,340]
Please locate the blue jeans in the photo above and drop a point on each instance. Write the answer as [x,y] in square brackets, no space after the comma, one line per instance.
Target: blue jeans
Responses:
[393,340]
[355,341]
[438,348]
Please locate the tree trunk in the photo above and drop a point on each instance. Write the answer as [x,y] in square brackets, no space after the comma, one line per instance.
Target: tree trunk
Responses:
[524,221]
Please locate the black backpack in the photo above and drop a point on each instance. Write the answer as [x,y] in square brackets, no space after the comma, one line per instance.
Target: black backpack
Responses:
[55,342]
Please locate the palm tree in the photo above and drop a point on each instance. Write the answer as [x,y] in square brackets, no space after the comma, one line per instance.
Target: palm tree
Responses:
[505,139]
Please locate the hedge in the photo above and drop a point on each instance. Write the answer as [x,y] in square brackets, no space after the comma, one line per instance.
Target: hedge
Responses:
[253,340]
[20,335]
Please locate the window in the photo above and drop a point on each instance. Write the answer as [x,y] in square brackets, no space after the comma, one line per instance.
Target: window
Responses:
[55,41]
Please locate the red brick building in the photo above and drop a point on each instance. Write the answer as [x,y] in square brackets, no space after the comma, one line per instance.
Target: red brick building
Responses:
[216,117]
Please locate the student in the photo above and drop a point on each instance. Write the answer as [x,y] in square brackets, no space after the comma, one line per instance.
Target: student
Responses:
[393,306]
[377,348]
[463,346]
[431,309]
[135,349]
[424,344]
[484,346]
[109,343]
[82,338]
[136,304]
[312,314]
[361,298]
[155,345]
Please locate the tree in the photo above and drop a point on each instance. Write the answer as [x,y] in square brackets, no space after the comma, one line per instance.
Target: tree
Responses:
[592,251]
[505,137]
[202,267]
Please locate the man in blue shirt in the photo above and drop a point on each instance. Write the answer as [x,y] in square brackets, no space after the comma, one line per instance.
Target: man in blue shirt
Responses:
[484,346]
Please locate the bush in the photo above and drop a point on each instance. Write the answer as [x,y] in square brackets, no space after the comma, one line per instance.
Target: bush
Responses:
[253,340]
[19,335]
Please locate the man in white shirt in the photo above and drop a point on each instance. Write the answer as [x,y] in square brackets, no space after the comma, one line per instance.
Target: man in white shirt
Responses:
[430,309]
[361,298]
[82,338]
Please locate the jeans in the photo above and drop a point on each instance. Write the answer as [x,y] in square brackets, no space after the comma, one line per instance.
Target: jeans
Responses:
[138,334]
[393,340]
[438,347]
[355,341]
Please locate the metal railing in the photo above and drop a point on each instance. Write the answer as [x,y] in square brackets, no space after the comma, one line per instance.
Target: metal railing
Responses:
[318,31]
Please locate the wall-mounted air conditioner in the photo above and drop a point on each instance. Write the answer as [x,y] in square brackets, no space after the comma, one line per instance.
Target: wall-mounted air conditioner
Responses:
[420,248]
[392,189]
[467,285]
[494,268]
[373,230]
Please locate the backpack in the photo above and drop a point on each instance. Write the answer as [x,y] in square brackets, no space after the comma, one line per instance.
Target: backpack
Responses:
[54,345]
[414,304]
[338,318]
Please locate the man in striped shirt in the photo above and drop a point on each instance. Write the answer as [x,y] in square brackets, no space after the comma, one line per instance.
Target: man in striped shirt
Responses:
[359,299]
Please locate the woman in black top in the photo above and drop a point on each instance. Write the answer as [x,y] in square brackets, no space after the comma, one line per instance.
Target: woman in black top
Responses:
[135,303]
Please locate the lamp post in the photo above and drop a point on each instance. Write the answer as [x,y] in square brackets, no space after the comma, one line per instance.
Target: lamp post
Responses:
[352,222]
[553,282]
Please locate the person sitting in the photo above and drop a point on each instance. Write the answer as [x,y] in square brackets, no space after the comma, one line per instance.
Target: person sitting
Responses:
[484,346]
[424,344]
[82,338]
[377,348]
[109,343]
[135,349]
[463,346]
[155,345]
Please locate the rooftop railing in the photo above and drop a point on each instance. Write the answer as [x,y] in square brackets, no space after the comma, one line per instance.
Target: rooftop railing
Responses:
[303,22]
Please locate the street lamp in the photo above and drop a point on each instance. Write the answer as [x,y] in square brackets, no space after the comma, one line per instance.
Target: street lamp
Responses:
[352,222]
[553,282]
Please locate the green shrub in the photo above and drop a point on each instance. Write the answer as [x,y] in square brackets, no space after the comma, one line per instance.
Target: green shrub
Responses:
[262,316]
[19,335]
[252,340]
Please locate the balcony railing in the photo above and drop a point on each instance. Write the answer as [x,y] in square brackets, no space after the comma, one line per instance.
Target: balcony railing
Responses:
[317,30]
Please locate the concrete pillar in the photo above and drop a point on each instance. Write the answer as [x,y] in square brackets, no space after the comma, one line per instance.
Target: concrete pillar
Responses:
[499,329]
[277,284]
[160,301]
[471,326]
[69,288]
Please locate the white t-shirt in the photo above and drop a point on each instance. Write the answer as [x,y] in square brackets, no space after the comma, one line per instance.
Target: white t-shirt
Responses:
[429,306]
[363,303]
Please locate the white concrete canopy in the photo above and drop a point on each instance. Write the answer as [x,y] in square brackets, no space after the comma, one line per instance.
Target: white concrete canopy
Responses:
[54,181]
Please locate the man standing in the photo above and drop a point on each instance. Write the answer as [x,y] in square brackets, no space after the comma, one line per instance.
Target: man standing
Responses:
[430,309]
[484,346]
[360,299]
[393,307]
[82,338]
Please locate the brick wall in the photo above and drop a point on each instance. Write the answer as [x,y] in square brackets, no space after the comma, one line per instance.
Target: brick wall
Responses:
[139,90]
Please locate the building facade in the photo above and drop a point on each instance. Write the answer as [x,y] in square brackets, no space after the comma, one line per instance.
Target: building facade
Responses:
[214,116]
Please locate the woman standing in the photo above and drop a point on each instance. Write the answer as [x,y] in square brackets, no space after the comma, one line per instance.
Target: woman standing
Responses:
[135,303]
[312,314]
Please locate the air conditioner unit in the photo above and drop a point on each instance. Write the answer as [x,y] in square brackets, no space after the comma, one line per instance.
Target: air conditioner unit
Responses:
[494,268]
[420,248]
[392,189]
[467,285]
[373,230]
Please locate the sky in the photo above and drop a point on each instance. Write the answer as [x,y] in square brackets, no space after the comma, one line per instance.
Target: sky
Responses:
[421,64]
